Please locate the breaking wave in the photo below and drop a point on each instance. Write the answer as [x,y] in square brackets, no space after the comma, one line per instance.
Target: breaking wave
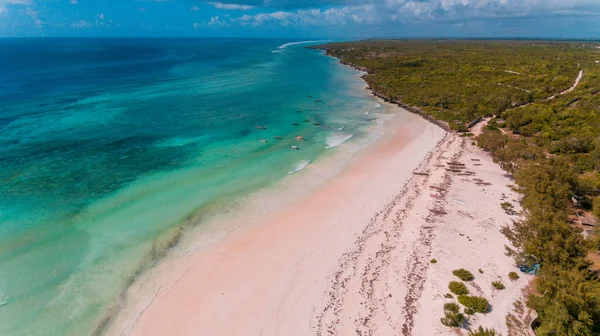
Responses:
[301,165]
[337,139]
[285,45]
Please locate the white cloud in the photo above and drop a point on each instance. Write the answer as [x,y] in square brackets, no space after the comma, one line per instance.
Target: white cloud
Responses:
[382,12]
[217,22]
[35,16]
[196,25]
[194,8]
[221,5]
[101,16]
[73,2]
[81,24]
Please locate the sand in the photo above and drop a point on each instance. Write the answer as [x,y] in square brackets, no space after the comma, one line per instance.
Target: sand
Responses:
[352,257]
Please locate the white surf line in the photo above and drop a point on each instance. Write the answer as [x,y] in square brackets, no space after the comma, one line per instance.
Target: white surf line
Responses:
[285,45]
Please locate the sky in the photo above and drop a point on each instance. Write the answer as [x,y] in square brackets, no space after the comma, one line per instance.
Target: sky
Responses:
[301,18]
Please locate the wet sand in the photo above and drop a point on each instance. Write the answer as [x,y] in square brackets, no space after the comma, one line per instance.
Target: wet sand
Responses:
[352,257]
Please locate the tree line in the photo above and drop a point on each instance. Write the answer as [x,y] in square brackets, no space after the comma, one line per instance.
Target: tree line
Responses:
[551,146]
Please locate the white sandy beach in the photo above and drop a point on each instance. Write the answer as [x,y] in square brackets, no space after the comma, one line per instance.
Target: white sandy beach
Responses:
[352,257]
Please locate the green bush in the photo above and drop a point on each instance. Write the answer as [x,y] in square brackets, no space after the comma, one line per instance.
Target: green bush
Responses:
[451,307]
[458,288]
[513,276]
[469,311]
[448,296]
[433,261]
[463,274]
[477,303]
[483,332]
[452,318]
[480,271]
[498,285]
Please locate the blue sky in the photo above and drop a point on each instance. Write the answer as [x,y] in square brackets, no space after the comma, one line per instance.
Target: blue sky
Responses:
[302,18]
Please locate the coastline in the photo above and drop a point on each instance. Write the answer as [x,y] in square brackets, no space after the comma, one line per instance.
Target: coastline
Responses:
[294,270]
[413,109]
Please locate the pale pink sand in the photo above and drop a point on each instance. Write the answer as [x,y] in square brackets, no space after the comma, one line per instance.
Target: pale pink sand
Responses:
[350,258]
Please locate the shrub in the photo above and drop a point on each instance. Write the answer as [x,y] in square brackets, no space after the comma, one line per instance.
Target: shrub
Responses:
[452,318]
[463,274]
[451,307]
[469,311]
[513,276]
[477,303]
[498,285]
[458,288]
[448,296]
[433,261]
[508,208]
[483,332]
[480,271]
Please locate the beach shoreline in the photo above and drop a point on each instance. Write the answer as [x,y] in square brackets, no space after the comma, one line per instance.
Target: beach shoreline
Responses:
[407,128]
[351,256]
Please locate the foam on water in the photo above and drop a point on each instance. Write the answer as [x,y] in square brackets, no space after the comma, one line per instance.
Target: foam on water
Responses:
[299,166]
[112,163]
[285,45]
[337,139]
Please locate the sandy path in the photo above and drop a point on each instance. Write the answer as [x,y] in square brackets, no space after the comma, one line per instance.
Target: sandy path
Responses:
[577,80]
[352,258]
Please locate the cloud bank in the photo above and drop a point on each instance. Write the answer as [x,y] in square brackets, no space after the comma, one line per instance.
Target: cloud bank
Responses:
[383,12]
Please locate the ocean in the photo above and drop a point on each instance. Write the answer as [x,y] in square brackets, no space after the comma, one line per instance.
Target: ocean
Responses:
[111,148]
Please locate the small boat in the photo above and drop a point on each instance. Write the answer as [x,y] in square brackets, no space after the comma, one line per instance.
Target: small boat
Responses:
[295,124]
[318,101]
[263,140]
[317,124]
[306,120]
[260,127]
[300,137]
[278,137]
[295,147]
[309,96]
[298,111]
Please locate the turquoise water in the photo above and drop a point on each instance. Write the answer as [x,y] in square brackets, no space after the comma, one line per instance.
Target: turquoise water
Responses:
[108,148]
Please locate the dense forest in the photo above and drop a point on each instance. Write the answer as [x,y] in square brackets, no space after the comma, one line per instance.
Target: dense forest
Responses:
[546,136]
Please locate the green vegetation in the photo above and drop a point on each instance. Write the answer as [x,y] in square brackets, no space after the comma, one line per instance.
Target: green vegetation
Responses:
[480,271]
[463,274]
[513,276]
[483,332]
[448,296]
[477,303]
[551,146]
[469,311]
[460,81]
[433,261]
[458,288]
[508,208]
[498,285]
[452,317]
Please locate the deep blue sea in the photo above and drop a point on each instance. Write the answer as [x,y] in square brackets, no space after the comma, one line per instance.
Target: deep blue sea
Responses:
[109,146]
